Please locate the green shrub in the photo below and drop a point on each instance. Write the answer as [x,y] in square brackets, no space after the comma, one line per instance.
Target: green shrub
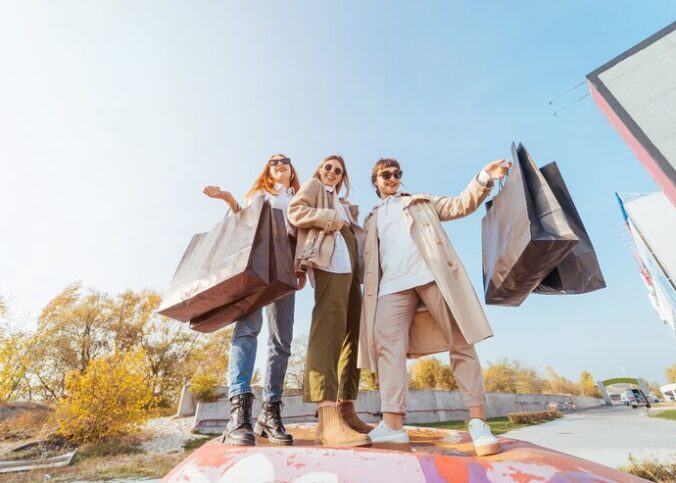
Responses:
[203,386]
[651,470]
[534,417]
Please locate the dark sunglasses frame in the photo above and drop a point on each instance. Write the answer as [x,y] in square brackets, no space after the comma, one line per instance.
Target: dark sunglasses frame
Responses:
[386,175]
[275,162]
[337,169]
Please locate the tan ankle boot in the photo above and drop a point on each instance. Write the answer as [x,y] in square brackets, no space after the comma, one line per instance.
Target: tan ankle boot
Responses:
[349,415]
[333,431]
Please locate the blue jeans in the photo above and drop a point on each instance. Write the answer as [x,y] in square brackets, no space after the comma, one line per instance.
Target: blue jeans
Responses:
[245,342]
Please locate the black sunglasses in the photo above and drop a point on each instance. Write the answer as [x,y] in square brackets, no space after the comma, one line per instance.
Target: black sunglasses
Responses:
[336,169]
[386,175]
[275,162]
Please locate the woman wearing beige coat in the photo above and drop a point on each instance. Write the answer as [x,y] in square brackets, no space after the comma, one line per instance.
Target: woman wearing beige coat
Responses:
[411,265]
[328,249]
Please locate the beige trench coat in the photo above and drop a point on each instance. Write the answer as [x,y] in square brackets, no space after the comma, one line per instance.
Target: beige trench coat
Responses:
[311,211]
[424,214]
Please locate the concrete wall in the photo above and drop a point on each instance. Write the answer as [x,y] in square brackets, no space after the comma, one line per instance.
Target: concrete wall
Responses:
[423,407]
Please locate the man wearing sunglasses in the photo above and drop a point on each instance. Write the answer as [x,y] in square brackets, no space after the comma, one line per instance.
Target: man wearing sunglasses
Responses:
[418,299]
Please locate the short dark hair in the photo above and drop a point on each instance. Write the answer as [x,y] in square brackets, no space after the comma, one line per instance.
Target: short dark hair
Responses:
[382,164]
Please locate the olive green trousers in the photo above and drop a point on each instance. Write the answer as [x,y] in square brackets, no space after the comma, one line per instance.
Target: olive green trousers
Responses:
[331,371]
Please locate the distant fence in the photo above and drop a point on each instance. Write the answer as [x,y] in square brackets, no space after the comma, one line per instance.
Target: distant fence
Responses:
[423,406]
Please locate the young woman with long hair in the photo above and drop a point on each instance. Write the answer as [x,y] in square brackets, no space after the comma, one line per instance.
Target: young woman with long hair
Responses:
[277,183]
[327,249]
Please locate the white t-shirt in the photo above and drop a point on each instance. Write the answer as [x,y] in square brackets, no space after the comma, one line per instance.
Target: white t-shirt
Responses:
[400,260]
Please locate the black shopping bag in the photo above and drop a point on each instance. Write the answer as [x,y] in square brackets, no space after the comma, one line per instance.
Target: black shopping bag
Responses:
[525,234]
[282,282]
[579,272]
[222,265]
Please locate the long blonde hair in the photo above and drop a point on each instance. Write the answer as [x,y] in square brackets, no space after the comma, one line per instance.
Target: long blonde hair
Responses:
[345,180]
[265,181]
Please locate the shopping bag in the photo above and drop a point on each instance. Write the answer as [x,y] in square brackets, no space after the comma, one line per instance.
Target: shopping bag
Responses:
[579,272]
[222,265]
[282,282]
[525,234]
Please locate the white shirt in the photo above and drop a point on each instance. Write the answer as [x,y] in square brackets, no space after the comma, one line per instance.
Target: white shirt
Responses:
[400,259]
[340,259]
[280,201]
[401,262]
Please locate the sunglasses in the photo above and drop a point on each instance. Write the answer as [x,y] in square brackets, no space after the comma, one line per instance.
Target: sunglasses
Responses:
[328,167]
[275,162]
[386,175]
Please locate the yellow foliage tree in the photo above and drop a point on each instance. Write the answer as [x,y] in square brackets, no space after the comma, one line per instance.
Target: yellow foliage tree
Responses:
[430,373]
[670,374]
[502,376]
[111,398]
[14,356]
[528,381]
[588,386]
[14,361]
[558,384]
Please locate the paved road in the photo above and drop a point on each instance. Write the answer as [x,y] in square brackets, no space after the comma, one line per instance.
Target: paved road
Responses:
[605,435]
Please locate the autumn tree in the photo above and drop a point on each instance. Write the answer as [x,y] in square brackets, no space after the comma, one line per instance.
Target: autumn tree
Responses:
[670,374]
[502,376]
[587,385]
[368,381]
[73,329]
[76,327]
[15,357]
[558,384]
[430,373]
[528,381]
[110,398]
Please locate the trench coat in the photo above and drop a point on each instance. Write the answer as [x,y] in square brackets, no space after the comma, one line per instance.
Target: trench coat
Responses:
[424,214]
[311,210]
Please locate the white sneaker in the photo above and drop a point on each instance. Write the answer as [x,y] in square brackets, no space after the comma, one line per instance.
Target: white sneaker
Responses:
[384,434]
[484,442]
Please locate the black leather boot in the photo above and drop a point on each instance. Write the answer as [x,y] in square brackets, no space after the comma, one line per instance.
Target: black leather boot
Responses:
[239,432]
[269,424]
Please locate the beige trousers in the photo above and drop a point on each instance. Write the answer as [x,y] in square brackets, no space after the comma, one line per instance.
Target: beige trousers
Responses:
[394,315]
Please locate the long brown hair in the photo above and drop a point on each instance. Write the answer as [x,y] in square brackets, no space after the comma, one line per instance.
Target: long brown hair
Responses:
[266,183]
[382,164]
[345,180]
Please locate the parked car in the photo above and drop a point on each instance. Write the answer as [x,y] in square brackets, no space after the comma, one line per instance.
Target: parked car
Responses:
[637,398]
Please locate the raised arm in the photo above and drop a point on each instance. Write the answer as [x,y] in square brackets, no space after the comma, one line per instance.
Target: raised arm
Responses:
[452,207]
[304,214]
[216,192]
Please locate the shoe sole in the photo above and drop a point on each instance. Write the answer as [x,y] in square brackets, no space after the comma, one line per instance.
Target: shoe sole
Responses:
[350,444]
[390,441]
[488,449]
[238,443]
[259,431]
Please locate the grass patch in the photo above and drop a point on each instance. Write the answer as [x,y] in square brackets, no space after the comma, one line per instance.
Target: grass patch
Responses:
[107,449]
[192,444]
[651,470]
[22,420]
[102,469]
[669,414]
[498,425]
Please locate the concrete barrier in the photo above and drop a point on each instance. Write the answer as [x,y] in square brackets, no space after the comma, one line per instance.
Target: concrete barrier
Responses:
[423,407]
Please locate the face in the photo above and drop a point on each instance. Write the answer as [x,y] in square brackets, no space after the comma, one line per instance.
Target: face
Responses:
[280,169]
[331,173]
[388,181]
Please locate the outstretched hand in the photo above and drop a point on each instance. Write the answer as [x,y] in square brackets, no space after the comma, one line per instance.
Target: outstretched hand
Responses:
[498,168]
[214,192]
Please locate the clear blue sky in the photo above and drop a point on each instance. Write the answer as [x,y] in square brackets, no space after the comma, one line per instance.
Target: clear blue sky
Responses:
[116,113]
